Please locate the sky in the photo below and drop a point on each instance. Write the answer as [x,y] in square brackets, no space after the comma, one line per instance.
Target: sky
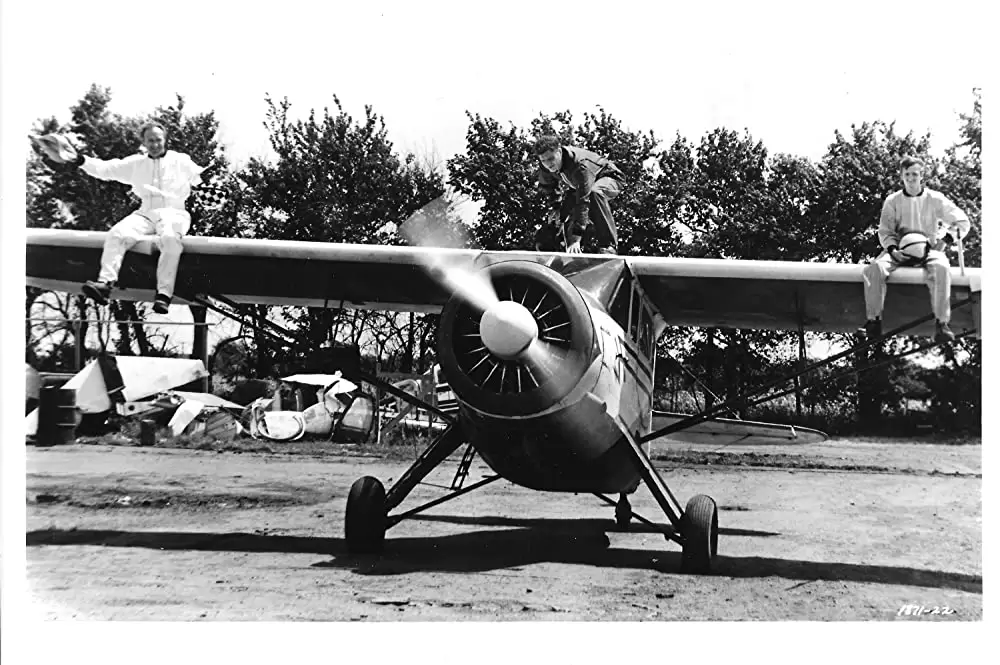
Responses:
[789,77]
[790,73]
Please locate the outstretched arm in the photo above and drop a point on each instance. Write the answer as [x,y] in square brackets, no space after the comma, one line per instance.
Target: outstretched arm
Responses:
[119,170]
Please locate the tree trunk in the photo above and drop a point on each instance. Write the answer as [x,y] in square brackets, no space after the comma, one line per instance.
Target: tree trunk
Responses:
[124,343]
[408,353]
[81,335]
[199,341]
[262,342]
[138,329]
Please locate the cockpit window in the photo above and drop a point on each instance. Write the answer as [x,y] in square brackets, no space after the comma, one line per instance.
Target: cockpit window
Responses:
[633,329]
[646,333]
[619,306]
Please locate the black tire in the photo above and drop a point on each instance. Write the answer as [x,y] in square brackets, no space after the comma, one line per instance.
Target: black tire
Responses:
[623,514]
[364,522]
[700,529]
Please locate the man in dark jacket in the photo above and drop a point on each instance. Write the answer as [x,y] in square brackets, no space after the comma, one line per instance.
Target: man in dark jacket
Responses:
[578,186]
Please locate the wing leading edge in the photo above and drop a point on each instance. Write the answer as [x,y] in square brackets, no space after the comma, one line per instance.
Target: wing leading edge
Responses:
[728,293]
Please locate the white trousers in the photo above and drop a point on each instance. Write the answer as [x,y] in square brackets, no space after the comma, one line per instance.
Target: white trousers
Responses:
[937,275]
[168,224]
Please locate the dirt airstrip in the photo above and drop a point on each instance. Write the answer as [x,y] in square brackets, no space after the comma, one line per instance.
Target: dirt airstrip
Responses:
[835,531]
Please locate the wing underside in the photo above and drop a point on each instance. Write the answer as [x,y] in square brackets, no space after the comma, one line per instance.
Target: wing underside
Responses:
[688,292]
[784,295]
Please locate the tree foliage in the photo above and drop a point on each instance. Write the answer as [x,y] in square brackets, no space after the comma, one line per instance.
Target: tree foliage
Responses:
[335,178]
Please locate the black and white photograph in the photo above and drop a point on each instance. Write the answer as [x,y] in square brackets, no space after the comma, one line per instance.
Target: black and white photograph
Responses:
[564,332]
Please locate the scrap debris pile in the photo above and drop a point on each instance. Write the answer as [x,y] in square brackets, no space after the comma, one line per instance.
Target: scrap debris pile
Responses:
[148,389]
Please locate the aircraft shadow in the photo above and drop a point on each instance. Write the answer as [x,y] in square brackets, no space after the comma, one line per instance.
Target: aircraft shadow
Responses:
[556,523]
[504,549]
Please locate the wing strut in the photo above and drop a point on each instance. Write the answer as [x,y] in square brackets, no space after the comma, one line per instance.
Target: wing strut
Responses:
[743,399]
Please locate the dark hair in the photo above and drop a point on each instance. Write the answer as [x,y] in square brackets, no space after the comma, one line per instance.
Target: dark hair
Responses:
[152,124]
[908,161]
[545,143]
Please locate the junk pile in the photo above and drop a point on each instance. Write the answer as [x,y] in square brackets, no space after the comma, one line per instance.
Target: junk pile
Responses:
[334,395]
[147,389]
[128,386]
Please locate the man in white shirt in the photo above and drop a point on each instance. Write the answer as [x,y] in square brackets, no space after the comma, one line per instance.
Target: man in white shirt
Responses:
[919,209]
[162,180]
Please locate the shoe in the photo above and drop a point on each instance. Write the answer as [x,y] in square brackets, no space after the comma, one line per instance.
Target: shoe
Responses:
[161,304]
[872,329]
[97,291]
[943,333]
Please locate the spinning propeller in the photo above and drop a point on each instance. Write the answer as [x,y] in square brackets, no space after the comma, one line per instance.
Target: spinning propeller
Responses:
[510,333]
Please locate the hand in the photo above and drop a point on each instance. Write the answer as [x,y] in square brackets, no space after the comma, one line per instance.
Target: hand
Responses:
[573,245]
[57,148]
[552,219]
[896,255]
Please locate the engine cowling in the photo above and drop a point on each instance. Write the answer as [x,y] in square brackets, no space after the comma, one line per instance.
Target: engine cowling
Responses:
[526,352]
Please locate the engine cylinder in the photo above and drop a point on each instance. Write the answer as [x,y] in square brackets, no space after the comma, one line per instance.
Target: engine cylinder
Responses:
[520,358]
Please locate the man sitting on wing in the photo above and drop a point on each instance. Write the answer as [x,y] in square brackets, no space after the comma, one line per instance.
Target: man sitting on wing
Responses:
[162,180]
[578,186]
[918,209]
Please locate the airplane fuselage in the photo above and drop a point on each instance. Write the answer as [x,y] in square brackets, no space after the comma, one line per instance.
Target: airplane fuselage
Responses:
[576,444]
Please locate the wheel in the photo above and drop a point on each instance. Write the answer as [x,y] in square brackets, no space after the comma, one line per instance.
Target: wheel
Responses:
[700,530]
[623,513]
[364,523]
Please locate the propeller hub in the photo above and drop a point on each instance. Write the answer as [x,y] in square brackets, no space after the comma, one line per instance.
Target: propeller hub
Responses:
[507,329]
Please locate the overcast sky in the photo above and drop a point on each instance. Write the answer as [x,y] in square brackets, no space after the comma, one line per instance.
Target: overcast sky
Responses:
[789,76]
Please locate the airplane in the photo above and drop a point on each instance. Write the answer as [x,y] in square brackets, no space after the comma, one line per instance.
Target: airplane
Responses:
[550,355]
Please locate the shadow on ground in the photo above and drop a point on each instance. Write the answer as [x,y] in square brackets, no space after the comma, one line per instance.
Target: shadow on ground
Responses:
[550,523]
[570,541]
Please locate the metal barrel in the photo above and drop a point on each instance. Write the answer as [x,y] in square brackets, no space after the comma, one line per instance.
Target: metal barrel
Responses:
[147,432]
[56,416]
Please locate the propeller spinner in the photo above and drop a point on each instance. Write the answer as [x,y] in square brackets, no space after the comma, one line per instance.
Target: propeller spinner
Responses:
[507,329]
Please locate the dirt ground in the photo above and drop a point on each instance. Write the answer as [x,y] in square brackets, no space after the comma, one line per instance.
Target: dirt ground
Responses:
[834,531]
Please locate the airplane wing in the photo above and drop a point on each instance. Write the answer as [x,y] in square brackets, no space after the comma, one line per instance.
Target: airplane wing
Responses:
[777,295]
[782,295]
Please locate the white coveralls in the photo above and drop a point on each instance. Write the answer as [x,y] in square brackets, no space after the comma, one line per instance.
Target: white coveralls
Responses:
[163,185]
[902,214]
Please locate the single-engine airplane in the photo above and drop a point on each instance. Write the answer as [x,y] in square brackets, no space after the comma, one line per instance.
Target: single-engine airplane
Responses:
[551,356]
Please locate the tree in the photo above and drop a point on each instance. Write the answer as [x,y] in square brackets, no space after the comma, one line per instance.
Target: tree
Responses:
[334,180]
[498,169]
[962,177]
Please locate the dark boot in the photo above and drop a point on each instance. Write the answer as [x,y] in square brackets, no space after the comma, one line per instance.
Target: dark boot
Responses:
[99,292]
[872,329]
[943,333]
[161,304]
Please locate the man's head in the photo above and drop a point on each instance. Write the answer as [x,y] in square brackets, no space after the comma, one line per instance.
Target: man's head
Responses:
[911,172]
[548,149]
[154,139]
